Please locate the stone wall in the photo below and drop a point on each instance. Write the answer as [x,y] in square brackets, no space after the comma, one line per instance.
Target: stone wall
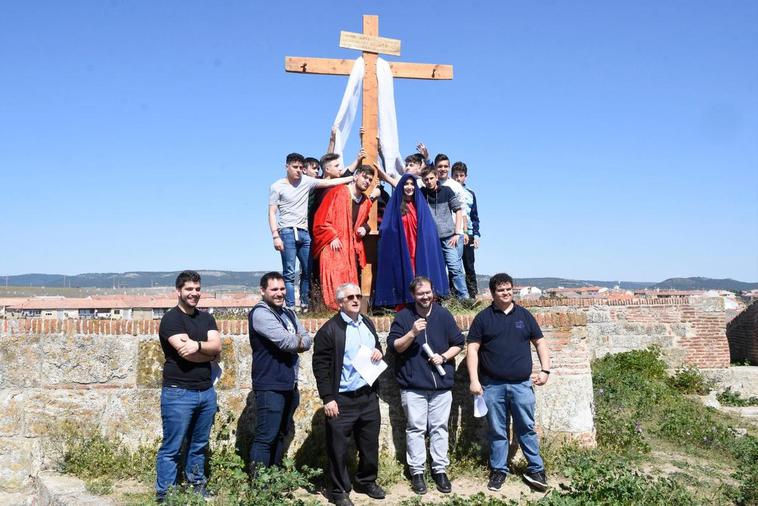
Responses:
[742,333]
[688,330]
[106,374]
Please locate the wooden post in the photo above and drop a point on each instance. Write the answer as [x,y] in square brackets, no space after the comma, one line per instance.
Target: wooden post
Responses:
[370,123]
[371,45]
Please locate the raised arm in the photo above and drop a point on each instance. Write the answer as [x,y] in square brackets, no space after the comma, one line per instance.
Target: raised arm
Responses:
[351,168]
[332,140]
[390,179]
[328,183]
[400,340]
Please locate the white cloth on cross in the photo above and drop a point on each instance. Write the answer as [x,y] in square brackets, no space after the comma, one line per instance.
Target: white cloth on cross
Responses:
[388,137]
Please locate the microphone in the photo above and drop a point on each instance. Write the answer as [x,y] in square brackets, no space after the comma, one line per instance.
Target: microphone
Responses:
[429,352]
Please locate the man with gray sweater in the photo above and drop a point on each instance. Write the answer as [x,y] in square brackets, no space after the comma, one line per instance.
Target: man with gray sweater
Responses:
[276,339]
[444,205]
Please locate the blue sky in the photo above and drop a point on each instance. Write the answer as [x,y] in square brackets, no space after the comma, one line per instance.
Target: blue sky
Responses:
[605,140]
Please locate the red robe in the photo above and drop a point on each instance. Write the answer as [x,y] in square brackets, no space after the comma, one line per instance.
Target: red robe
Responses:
[334,219]
[410,226]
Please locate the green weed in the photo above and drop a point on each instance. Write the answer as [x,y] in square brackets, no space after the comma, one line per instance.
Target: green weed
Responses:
[731,398]
[689,380]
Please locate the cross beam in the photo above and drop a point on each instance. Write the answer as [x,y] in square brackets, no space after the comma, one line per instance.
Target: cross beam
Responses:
[371,45]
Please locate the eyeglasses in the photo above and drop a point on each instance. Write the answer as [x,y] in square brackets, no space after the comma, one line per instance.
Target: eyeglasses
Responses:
[355,296]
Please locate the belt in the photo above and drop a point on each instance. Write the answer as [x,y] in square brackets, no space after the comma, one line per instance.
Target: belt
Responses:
[357,393]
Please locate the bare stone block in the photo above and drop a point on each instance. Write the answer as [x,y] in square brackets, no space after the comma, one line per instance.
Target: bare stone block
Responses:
[133,414]
[227,361]
[61,490]
[565,404]
[16,463]
[20,361]
[244,360]
[232,402]
[12,409]
[150,363]
[88,359]
[47,410]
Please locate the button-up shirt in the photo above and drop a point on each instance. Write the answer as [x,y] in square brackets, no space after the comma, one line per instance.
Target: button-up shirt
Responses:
[356,334]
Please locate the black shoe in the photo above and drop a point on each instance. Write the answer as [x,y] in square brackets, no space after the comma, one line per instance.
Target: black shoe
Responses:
[443,483]
[372,490]
[418,484]
[341,500]
[496,480]
[536,480]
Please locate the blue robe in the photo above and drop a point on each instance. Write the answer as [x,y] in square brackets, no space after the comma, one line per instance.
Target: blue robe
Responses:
[394,270]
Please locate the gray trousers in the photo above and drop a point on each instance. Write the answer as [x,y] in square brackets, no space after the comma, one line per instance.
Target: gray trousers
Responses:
[426,410]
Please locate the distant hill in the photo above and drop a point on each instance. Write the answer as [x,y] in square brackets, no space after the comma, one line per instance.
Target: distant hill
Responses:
[137,279]
[251,279]
[704,284]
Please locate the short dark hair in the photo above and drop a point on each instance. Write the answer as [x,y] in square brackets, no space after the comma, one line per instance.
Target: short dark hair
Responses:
[419,280]
[329,157]
[185,276]
[427,170]
[439,158]
[498,279]
[415,158]
[270,276]
[295,157]
[459,167]
[365,168]
[312,161]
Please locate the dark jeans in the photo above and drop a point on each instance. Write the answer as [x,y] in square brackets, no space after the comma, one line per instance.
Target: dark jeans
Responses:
[274,421]
[359,417]
[186,414]
[468,267]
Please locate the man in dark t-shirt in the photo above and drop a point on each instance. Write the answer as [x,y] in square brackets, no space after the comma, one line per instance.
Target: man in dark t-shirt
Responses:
[499,363]
[190,341]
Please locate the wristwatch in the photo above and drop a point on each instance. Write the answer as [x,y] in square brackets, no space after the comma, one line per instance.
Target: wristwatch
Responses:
[546,372]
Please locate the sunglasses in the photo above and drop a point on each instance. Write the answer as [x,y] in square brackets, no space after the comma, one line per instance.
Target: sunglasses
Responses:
[355,296]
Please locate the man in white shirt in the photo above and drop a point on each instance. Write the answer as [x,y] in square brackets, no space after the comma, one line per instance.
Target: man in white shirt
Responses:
[288,220]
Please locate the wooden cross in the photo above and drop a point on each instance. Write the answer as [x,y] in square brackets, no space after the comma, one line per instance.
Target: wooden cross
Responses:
[371,44]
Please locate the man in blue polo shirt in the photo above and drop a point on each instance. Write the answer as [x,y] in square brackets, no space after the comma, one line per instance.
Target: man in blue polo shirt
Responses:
[499,363]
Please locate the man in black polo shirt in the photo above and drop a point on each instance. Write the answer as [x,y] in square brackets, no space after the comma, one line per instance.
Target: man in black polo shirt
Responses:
[499,364]
[190,341]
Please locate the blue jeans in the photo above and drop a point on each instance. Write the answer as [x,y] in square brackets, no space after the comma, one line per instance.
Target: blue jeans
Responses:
[506,400]
[299,249]
[186,414]
[274,421]
[453,255]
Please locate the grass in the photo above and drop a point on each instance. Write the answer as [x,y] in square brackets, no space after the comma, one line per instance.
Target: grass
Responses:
[656,445]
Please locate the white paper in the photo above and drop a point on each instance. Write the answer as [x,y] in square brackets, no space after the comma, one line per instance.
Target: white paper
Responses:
[480,407]
[368,370]
[216,371]
[428,350]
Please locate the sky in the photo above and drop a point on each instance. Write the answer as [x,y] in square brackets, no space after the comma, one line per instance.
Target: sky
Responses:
[604,140]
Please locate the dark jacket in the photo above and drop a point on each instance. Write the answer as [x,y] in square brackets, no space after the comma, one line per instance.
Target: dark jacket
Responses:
[412,367]
[273,368]
[328,353]
[442,203]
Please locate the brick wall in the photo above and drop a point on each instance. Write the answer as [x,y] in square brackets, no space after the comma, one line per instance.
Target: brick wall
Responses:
[107,374]
[742,333]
